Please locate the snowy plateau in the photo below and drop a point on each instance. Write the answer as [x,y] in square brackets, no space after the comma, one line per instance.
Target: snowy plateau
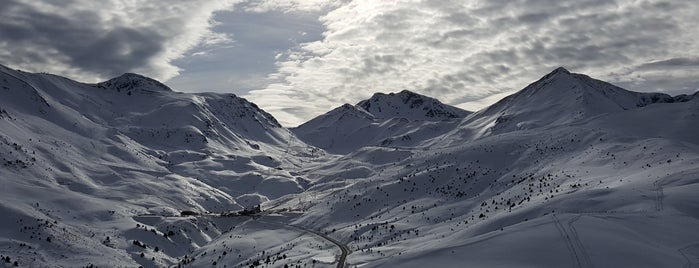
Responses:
[568,172]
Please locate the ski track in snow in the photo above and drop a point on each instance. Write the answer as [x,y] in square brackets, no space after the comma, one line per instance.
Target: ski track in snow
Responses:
[659,195]
[586,261]
[685,253]
[569,241]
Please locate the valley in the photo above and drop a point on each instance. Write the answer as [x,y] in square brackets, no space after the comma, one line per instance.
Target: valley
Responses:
[568,172]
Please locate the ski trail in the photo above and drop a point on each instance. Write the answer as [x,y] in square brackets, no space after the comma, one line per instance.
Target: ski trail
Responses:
[685,253]
[568,241]
[659,195]
[576,239]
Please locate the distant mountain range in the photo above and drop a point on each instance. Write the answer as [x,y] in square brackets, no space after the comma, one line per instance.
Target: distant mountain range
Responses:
[396,119]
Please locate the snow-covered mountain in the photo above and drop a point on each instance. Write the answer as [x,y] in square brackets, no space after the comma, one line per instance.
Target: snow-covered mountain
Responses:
[409,105]
[75,153]
[568,172]
[403,119]
[561,98]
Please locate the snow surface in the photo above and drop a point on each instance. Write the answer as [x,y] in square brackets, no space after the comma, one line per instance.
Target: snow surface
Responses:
[80,161]
[569,172]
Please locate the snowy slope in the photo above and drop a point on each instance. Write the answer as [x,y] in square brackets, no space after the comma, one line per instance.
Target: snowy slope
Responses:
[569,172]
[403,119]
[217,138]
[86,158]
[560,98]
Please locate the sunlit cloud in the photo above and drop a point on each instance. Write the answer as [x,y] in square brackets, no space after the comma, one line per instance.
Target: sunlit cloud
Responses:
[466,52]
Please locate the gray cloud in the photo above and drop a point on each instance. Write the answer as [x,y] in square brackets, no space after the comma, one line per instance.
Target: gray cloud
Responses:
[93,40]
[291,5]
[670,63]
[462,52]
[244,64]
[465,51]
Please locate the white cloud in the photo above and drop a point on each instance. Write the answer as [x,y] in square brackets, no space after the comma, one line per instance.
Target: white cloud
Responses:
[464,51]
[461,52]
[291,5]
[481,103]
[93,40]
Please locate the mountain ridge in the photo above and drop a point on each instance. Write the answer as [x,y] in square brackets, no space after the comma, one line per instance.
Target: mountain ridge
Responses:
[176,131]
[394,119]
[385,106]
[132,81]
[101,177]
[561,73]
[561,97]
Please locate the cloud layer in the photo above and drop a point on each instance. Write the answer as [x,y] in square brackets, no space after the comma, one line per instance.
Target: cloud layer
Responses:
[291,5]
[462,52]
[245,64]
[92,40]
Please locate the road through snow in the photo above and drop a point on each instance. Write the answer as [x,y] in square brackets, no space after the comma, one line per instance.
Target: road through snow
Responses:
[344,249]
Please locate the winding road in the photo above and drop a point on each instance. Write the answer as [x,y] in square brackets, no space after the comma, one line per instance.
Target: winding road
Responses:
[344,249]
[341,262]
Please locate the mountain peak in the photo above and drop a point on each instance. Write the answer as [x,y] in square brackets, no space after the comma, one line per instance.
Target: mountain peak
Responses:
[560,70]
[408,93]
[347,106]
[133,76]
[411,105]
[561,97]
[556,74]
[350,110]
[132,81]
[403,94]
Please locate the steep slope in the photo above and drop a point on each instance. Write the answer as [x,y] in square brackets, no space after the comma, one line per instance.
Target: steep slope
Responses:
[82,161]
[403,119]
[582,174]
[335,131]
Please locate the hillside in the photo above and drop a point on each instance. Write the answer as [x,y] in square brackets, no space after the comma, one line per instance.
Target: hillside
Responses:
[86,158]
[560,98]
[568,172]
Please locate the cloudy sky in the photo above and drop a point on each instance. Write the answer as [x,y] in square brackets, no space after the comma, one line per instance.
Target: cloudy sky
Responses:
[300,58]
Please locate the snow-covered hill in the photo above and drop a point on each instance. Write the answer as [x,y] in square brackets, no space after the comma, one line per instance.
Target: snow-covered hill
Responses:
[82,156]
[560,98]
[403,119]
[568,172]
